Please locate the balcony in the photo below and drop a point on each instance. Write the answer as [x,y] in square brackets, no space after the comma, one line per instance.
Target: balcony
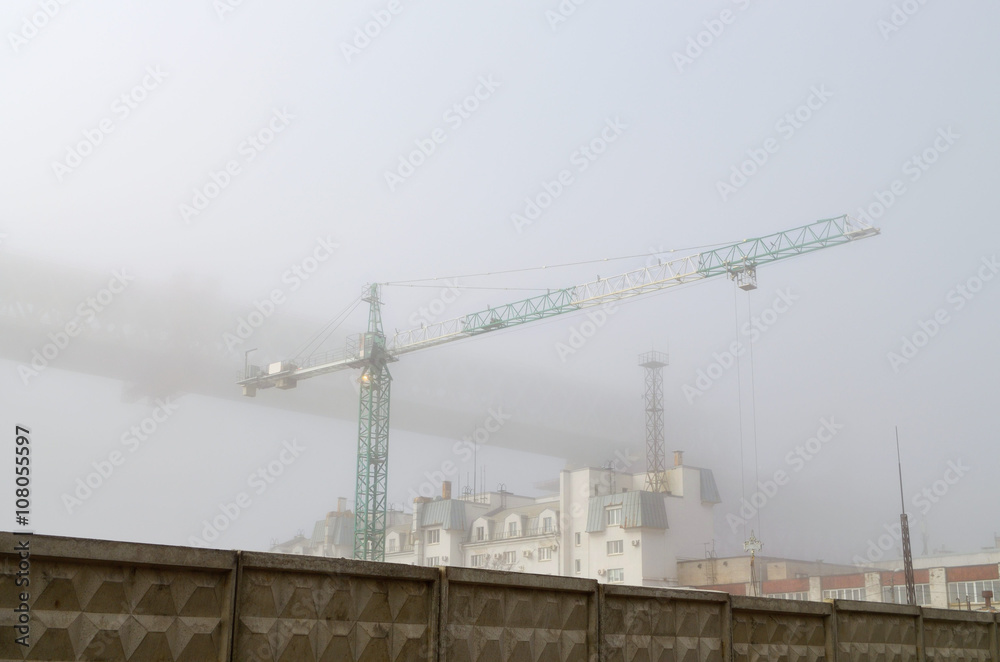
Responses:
[507,535]
[401,549]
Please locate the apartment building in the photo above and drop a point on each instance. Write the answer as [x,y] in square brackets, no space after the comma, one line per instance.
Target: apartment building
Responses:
[600,523]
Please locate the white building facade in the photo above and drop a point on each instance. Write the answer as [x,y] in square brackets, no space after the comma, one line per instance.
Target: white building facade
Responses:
[601,524]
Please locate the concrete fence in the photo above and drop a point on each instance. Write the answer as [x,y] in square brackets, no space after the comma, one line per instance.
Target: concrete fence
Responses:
[96,600]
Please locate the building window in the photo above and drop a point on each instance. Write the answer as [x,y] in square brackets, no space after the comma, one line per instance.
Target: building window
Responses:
[480,533]
[616,575]
[546,524]
[510,558]
[614,516]
[800,595]
[433,536]
[433,560]
[578,539]
[392,545]
[616,547]
[511,528]
[544,553]
[897,594]
[845,594]
[971,591]
[576,566]
[479,560]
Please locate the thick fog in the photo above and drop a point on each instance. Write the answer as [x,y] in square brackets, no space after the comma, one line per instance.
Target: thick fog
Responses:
[190,186]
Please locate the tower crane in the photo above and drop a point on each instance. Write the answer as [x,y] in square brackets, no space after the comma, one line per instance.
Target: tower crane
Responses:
[372,351]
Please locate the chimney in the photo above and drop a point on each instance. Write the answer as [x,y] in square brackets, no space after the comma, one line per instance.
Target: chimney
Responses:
[678,458]
[341,504]
[446,489]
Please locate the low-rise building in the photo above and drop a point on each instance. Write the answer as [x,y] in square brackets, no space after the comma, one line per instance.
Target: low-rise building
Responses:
[945,581]
[600,524]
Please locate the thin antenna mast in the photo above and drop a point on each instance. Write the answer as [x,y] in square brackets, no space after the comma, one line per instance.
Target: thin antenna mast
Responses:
[904,527]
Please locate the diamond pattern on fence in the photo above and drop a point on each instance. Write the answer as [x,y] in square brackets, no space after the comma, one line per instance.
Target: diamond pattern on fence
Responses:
[778,636]
[873,637]
[639,629]
[488,623]
[951,641]
[306,617]
[98,611]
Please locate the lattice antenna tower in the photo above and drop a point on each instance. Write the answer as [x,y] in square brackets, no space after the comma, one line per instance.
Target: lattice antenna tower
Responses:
[653,362]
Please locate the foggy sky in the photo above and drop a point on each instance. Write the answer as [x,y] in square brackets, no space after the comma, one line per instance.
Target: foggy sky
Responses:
[295,116]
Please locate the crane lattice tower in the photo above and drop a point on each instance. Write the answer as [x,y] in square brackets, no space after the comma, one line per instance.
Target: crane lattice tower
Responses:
[653,362]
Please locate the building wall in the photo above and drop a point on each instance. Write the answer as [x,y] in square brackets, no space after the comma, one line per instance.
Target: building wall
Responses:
[651,561]
[958,588]
[712,571]
[656,557]
[691,521]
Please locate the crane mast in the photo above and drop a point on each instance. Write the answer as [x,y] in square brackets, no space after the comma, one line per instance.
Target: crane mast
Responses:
[373,437]
[372,351]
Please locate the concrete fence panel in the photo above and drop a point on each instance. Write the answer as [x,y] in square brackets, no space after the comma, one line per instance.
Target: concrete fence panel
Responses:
[96,600]
[491,616]
[958,636]
[875,632]
[307,608]
[663,625]
[787,630]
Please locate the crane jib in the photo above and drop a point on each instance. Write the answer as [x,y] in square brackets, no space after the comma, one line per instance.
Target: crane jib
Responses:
[519,312]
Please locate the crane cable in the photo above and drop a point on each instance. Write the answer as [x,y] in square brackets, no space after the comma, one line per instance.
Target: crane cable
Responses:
[739,390]
[555,266]
[753,414]
[328,329]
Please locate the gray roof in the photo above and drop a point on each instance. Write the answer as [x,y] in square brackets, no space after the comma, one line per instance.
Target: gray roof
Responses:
[639,509]
[341,531]
[448,513]
[709,490]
